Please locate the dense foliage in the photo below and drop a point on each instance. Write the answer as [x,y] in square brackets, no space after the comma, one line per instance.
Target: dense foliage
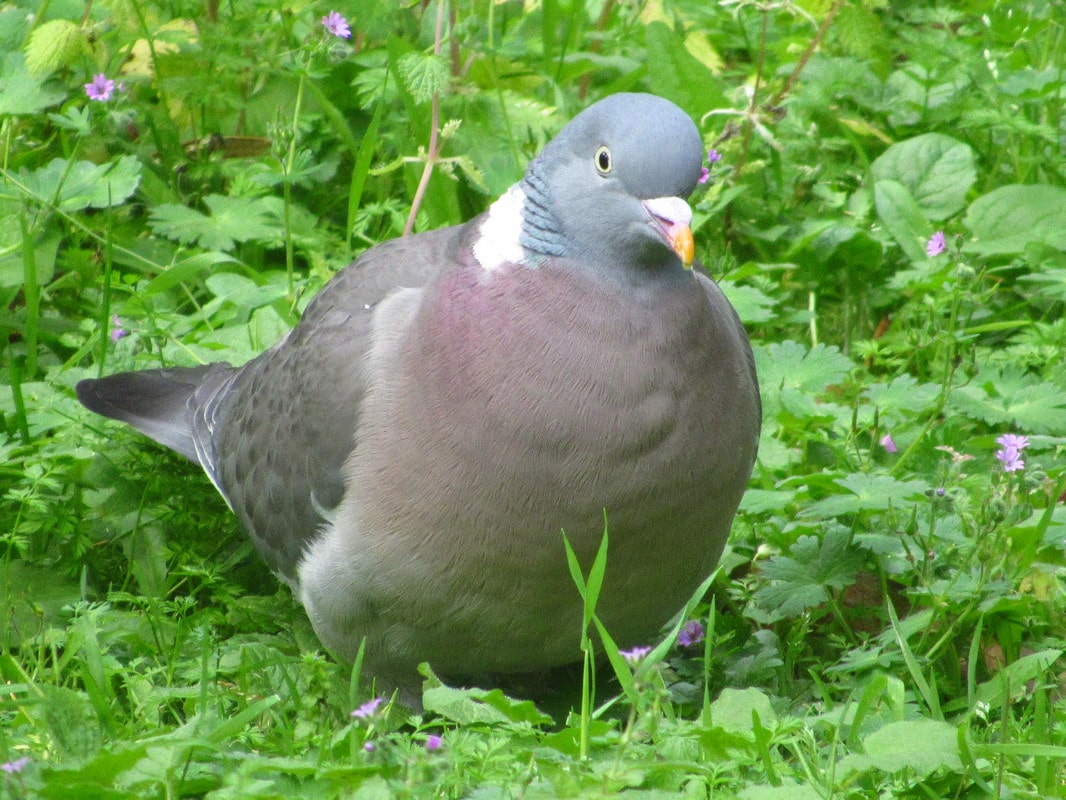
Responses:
[178,179]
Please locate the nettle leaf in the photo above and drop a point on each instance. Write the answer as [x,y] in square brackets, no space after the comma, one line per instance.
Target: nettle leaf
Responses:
[1013,398]
[84,184]
[677,75]
[937,170]
[865,492]
[232,220]
[1007,219]
[424,75]
[802,579]
[20,92]
[53,44]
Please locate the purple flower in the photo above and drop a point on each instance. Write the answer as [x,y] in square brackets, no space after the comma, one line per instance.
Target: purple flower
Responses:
[433,743]
[369,746]
[367,709]
[12,767]
[100,88]
[888,443]
[691,633]
[117,331]
[705,175]
[941,491]
[635,655]
[337,25]
[1011,458]
[936,244]
[1013,441]
[713,156]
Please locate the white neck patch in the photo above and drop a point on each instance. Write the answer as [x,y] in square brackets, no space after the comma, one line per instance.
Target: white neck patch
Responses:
[499,237]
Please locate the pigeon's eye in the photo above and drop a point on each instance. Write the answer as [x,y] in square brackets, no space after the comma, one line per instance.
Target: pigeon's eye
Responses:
[603,160]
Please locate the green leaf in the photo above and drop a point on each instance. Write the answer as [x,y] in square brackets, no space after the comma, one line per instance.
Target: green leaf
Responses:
[919,745]
[53,44]
[868,493]
[424,75]
[792,376]
[81,185]
[799,580]
[1013,398]
[936,169]
[1007,219]
[20,92]
[733,708]
[902,218]
[677,75]
[232,220]
[904,393]
[752,306]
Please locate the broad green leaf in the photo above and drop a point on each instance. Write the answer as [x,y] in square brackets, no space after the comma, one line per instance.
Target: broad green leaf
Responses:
[902,218]
[792,364]
[786,791]
[81,185]
[1014,678]
[53,44]
[424,75]
[232,220]
[20,92]
[733,708]
[867,492]
[1006,219]
[919,745]
[936,169]
[677,75]
[799,580]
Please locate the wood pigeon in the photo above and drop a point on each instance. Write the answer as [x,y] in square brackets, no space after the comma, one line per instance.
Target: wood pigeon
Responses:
[409,456]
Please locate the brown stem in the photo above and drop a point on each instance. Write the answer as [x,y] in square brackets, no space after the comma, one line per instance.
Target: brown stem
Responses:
[790,82]
[433,152]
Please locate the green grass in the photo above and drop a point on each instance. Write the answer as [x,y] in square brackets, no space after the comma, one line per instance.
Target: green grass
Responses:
[889,620]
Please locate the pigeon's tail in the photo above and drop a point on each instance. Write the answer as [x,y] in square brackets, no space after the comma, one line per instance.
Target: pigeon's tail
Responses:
[165,404]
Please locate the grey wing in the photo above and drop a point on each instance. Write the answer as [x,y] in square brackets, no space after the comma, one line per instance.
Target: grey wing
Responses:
[276,437]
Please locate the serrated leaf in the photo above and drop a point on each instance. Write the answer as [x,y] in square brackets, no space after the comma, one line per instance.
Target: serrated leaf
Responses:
[937,171]
[1007,219]
[904,393]
[84,184]
[20,92]
[752,306]
[424,75]
[918,745]
[799,580]
[865,492]
[902,218]
[1013,398]
[232,220]
[677,75]
[53,44]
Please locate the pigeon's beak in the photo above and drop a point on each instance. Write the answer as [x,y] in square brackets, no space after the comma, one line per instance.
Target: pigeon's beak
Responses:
[672,216]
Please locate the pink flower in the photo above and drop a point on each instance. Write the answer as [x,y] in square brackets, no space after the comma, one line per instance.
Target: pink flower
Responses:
[635,655]
[936,244]
[433,743]
[100,88]
[367,709]
[692,632]
[337,25]
[888,443]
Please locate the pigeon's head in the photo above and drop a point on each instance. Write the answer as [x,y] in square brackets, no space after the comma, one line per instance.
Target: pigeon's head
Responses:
[609,190]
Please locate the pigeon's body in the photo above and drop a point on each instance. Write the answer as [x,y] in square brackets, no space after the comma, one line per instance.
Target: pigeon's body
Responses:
[408,456]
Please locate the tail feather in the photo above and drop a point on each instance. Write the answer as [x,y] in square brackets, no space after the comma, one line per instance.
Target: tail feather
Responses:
[159,402]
